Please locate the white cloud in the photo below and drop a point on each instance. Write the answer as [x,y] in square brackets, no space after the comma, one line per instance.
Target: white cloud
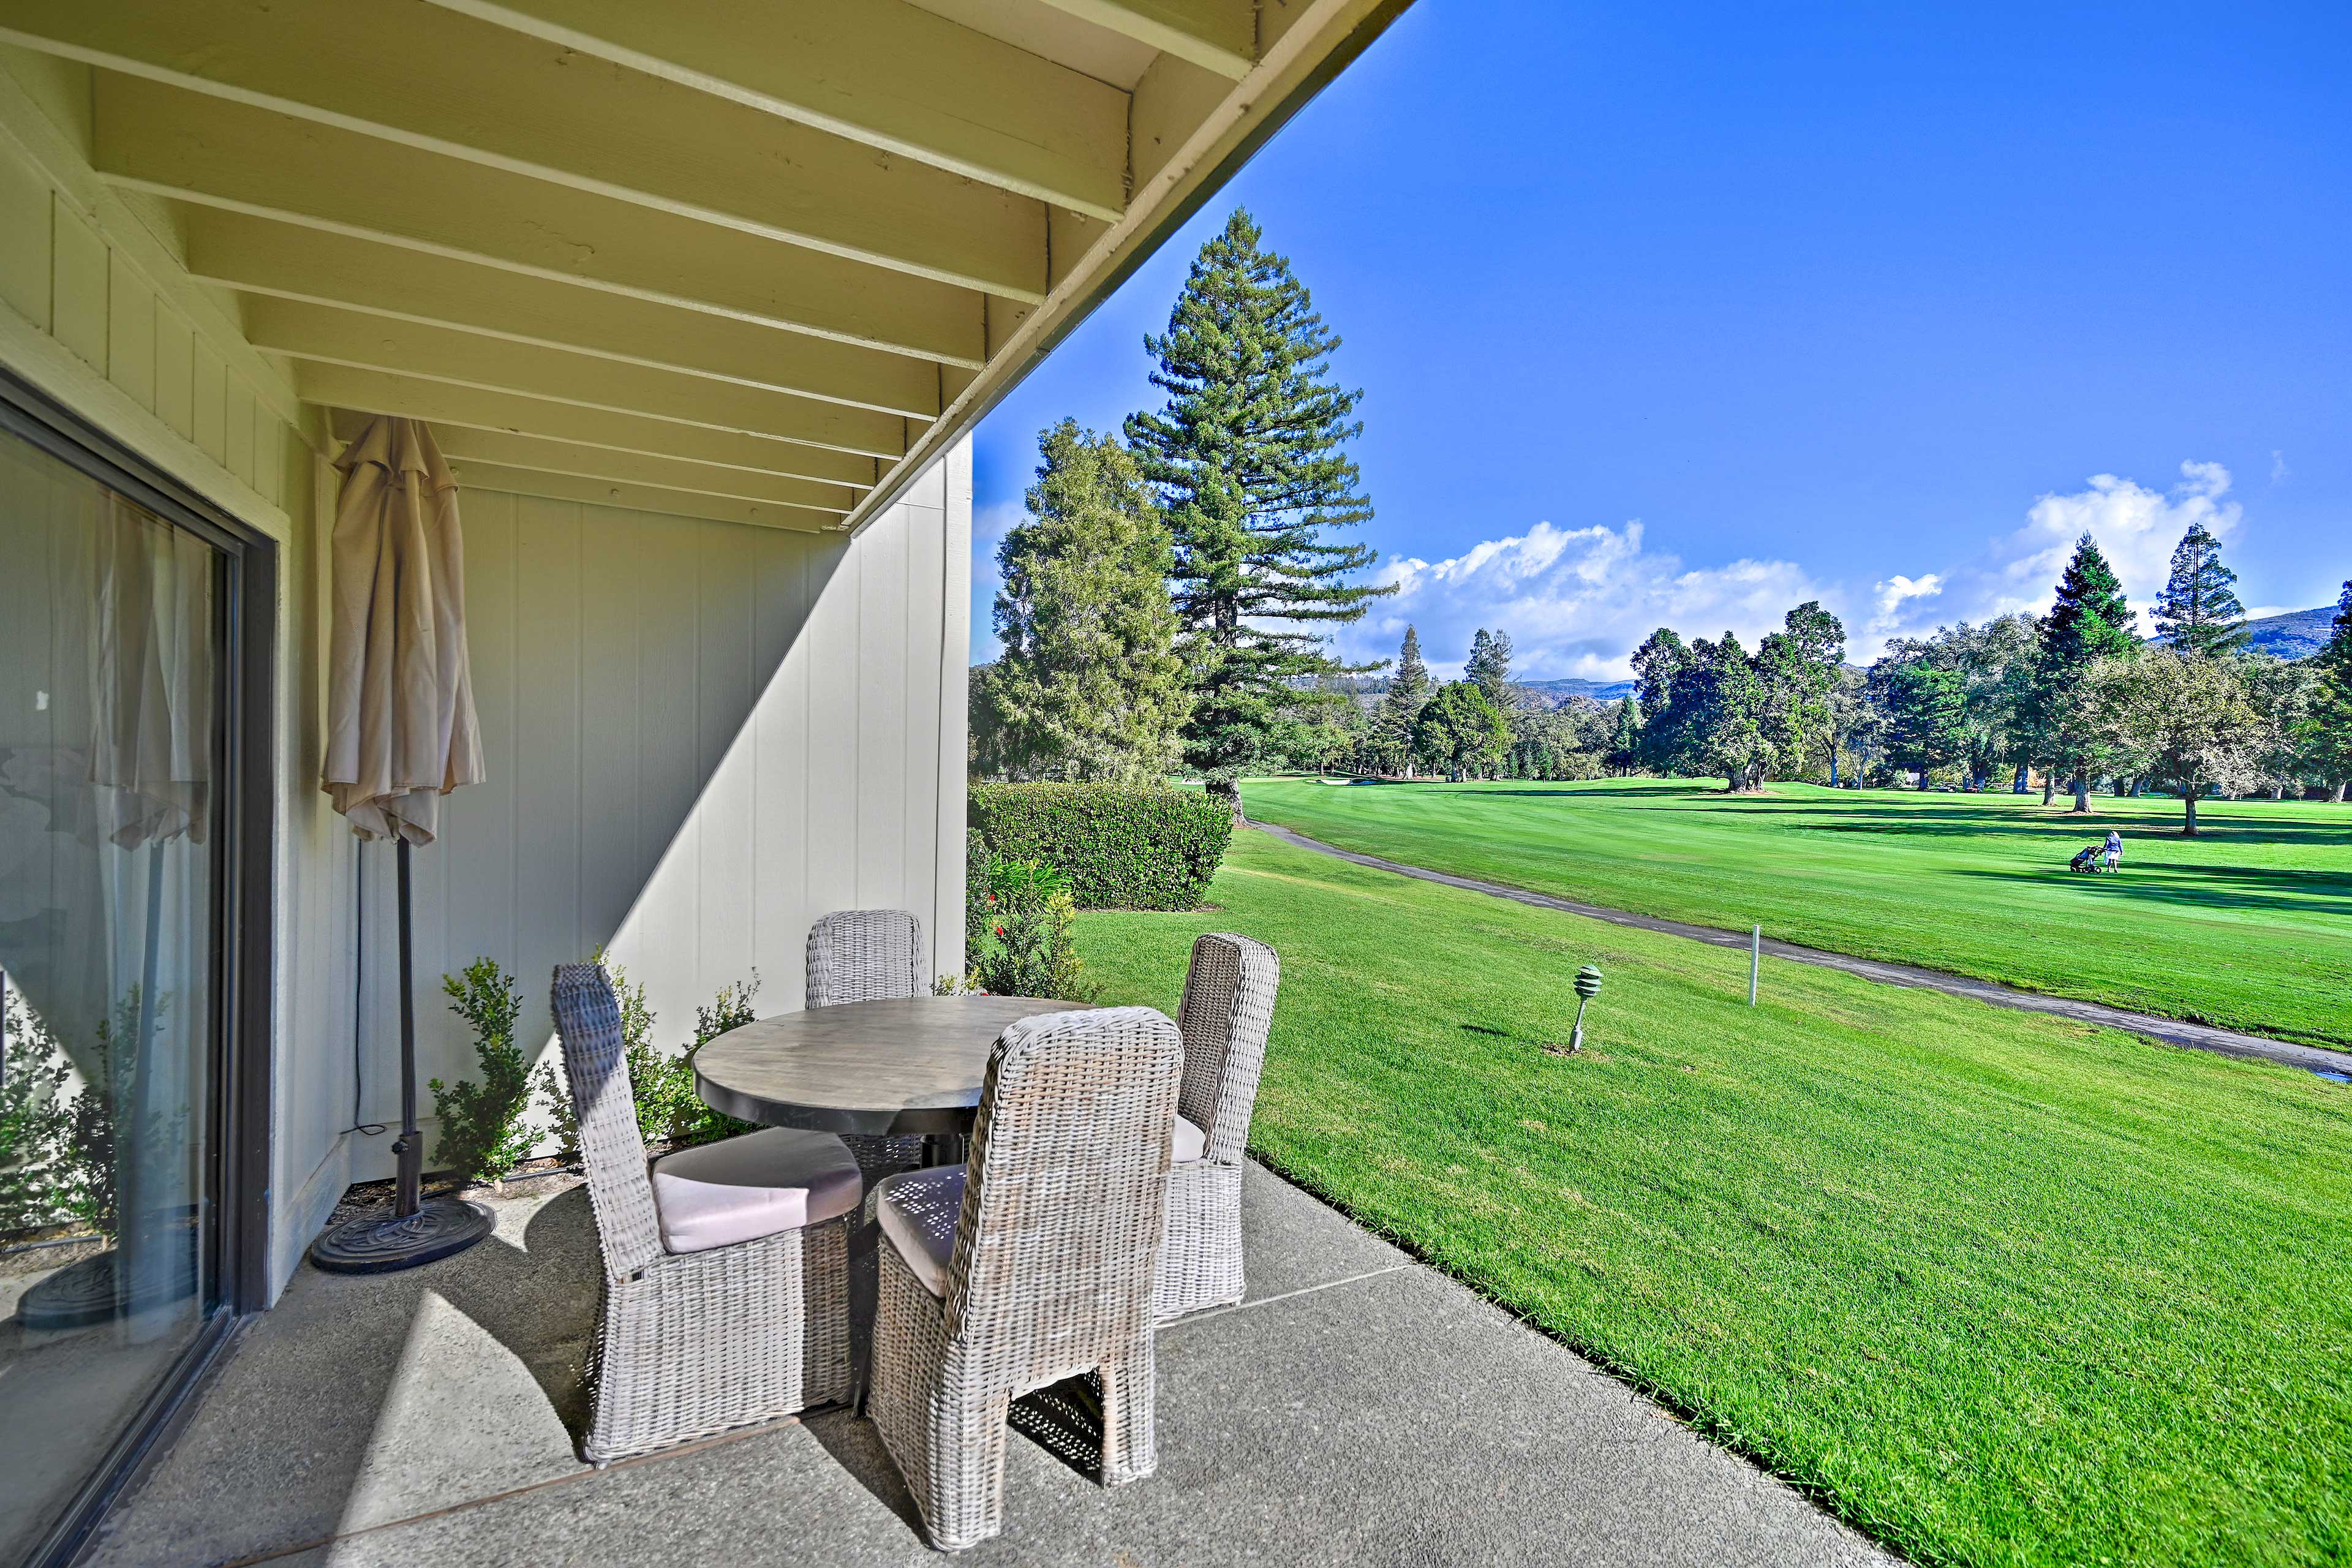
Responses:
[2278,467]
[1575,601]
[2136,528]
[1897,589]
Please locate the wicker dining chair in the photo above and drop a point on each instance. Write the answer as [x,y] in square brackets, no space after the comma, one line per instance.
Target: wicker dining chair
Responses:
[869,955]
[1227,1009]
[1031,1263]
[725,1288]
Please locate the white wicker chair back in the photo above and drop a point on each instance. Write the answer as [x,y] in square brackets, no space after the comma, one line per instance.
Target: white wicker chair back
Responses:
[1227,1011]
[864,956]
[1063,1210]
[588,1020]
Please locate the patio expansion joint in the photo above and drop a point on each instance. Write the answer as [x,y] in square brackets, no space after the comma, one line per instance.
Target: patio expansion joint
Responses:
[1288,1295]
[590,1472]
[585,1472]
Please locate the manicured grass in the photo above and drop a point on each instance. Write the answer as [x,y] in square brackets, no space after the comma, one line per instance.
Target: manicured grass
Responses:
[2004,1290]
[2248,926]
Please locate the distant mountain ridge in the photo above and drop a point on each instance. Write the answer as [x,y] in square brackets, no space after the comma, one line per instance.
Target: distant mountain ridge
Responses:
[2298,634]
[1577,686]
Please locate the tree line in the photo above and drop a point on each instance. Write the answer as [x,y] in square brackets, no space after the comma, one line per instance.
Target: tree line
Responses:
[1166,601]
[2072,695]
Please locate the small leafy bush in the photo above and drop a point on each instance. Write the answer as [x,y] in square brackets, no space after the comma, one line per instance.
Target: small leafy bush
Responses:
[1121,847]
[38,1176]
[482,1132]
[1031,949]
[661,1083]
[979,908]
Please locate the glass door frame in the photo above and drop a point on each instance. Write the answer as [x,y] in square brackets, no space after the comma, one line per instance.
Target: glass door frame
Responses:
[244,926]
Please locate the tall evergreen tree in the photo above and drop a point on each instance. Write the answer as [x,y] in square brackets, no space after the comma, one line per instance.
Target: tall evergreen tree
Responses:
[1249,456]
[1489,667]
[1089,685]
[2330,720]
[2199,612]
[1408,690]
[1724,697]
[1625,753]
[1660,666]
[1928,704]
[2090,621]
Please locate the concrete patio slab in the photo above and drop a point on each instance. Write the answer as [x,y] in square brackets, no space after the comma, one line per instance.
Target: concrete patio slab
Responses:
[1358,1409]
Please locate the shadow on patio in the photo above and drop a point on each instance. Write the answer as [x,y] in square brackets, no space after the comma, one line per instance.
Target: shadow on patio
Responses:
[1359,1407]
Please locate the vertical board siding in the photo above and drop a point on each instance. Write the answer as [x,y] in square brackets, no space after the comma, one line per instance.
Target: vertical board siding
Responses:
[699,738]
[24,242]
[78,287]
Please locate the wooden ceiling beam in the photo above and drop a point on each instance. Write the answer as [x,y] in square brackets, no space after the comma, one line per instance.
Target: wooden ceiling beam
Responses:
[217,154]
[884,73]
[332,336]
[262,256]
[537,453]
[472,475]
[442,402]
[1220,35]
[467,90]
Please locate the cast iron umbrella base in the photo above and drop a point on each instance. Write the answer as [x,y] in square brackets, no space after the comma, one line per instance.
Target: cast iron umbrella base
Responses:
[419,1230]
[373,1244]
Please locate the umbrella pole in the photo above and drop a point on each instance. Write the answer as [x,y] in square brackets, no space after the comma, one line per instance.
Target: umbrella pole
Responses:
[416,1231]
[410,1148]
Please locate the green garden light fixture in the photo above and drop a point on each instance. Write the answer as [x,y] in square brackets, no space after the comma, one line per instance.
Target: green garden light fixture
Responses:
[1587,987]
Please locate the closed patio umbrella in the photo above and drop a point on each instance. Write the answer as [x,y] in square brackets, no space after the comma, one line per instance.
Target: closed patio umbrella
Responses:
[401,733]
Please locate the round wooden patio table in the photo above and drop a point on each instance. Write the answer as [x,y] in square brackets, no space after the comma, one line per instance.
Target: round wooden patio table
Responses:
[911,1065]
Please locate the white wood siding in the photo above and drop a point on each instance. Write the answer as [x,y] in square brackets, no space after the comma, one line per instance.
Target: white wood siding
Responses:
[96,311]
[700,737]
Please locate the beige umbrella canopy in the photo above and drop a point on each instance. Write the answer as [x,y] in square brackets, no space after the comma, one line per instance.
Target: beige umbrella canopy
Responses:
[401,733]
[401,730]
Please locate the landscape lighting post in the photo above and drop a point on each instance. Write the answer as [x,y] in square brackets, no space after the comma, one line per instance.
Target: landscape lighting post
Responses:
[1587,987]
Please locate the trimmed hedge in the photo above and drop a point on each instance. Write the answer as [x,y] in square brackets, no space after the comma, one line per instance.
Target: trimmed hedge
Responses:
[1122,846]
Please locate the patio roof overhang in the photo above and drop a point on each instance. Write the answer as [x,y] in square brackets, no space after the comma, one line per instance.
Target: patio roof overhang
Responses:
[759,263]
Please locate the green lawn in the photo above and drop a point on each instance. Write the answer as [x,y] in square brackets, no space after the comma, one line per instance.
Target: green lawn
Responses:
[2002,1290]
[2248,925]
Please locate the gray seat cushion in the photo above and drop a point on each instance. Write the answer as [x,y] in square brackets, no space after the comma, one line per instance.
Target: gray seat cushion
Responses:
[740,1189]
[918,1212]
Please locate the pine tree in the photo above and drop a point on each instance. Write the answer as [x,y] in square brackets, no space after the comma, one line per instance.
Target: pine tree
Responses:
[1928,704]
[1408,690]
[2330,721]
[1726,704]
[1089,685]
[1249,456]
[2090,621]
[1625,737]
[1489,667]
[2199,612]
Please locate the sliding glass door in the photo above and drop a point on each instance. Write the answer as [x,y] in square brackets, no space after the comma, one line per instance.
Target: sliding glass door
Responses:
[117,704]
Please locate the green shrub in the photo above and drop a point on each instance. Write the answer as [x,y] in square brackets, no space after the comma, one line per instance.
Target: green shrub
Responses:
[38,1174]
[1031,949]
[661,1084]
[482,1131]
[978,907]
[1122,846]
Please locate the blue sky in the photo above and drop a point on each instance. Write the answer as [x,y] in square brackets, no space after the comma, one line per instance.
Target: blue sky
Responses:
[1681,315]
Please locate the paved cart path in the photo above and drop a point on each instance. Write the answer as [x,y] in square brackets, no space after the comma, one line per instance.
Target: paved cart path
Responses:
[2171,1031]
